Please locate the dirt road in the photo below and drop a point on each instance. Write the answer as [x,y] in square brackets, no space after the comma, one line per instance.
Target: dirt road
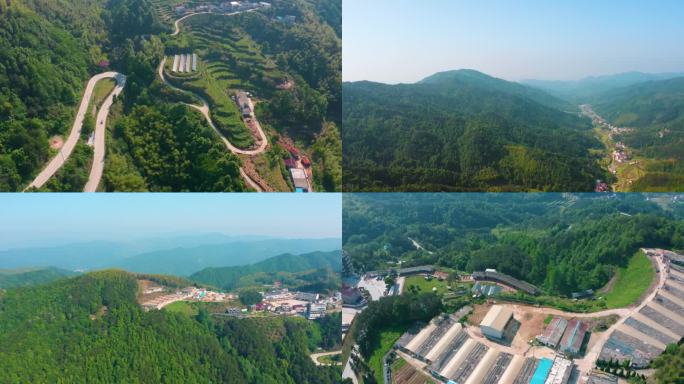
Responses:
[56,163]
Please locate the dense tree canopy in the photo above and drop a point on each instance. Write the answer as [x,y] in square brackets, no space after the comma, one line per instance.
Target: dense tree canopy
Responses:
[463,130]
[561,243]
[49,49]
[91,329]
[390,312]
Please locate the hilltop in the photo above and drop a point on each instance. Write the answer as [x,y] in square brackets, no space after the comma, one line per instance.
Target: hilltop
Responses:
[461,131]
[303,270]
[91,329]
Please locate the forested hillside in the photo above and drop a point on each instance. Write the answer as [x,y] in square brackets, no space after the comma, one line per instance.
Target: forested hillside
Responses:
[91,329]
[460,131]
[310,269]
[655,111]
[49,49]
[26,277]
[311,52]
[562,243]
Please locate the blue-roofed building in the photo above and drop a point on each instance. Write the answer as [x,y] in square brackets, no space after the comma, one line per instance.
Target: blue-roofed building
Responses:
[542,371]
[299,190]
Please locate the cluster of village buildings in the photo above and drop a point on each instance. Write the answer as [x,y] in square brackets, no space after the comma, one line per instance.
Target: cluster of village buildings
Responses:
[157,297]
[282,301]
[224,7]
[278,301]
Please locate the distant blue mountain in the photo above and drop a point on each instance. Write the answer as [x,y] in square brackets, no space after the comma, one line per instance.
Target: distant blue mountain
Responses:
[177,256]
[587,90]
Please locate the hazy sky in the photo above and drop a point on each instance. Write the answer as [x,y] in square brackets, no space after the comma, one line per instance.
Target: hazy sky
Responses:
[55,218]
[404,41]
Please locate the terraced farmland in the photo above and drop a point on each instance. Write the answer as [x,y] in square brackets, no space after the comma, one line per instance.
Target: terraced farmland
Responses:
[228,60]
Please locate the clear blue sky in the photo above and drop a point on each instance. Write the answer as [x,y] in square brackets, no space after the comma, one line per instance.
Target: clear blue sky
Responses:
[404,41]
[55,218]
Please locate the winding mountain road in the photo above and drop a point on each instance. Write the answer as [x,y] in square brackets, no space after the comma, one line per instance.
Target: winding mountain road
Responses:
[176,24]
[58,161]
[204,110]
[100,133]
[315,356]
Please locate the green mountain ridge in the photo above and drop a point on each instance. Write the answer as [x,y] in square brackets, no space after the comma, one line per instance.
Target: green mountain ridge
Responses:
[31,276]
[471,77]
[310,263]
[90,329]
[463,131]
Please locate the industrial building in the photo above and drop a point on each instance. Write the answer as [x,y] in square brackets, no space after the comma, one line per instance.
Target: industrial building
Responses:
[553,332]
[486,290]
[644,335]
[299,179]
[573,337]
[494,323]
[560,371]
[497,277]
[452,356]
[307,296]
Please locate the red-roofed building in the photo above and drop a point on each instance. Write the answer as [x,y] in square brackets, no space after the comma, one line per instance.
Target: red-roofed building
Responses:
[305,161]
[292,150]
[290,163]
[573,337]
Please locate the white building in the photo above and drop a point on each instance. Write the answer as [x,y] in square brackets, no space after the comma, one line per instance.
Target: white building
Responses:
[176,59]
[494,323]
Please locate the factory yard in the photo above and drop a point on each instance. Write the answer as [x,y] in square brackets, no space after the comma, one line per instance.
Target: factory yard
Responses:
[513,343]
[158,299]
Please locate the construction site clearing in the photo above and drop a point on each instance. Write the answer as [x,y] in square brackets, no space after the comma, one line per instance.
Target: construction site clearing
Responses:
[157,297]
[278,301]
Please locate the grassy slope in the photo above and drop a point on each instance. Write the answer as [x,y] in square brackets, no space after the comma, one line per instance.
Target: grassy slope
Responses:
[216,81]
[631,282]
[387,339]
[182,307]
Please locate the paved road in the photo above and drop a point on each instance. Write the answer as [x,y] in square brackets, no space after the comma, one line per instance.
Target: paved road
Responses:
[100,133]
[56,163]
[348,372]
[204,110]
[315,356]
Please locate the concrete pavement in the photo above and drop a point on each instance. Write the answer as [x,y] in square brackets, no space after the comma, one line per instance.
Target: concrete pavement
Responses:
[100,133]
[204,110]
[58,161]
